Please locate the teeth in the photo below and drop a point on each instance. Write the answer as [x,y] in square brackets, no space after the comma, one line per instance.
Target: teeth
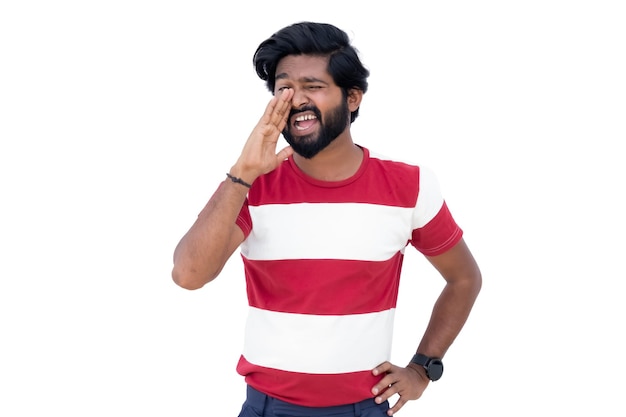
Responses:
[305,117]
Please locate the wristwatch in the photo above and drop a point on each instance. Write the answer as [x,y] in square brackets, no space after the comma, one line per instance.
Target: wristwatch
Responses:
[433,366]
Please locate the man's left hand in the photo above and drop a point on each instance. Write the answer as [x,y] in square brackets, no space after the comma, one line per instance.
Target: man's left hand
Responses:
[409,383]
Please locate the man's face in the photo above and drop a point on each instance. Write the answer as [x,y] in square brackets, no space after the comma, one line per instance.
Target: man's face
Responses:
[319,111]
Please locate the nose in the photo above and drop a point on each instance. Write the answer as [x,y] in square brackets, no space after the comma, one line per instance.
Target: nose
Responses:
[300,98]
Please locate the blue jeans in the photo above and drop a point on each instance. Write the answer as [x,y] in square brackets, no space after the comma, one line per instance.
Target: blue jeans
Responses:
[258,404]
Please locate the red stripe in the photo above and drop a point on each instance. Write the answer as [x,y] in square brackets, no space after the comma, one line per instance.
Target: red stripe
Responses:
[439,235]
[340,286]
[376,182]
[309,390]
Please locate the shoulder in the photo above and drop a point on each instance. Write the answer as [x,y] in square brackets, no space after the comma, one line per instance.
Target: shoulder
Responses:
[402,166]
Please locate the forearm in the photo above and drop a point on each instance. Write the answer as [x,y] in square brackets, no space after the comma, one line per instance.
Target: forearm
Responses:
[204,249]
[449,315]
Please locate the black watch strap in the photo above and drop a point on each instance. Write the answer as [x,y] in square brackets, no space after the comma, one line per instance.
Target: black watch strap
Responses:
[421,359]
[432,366]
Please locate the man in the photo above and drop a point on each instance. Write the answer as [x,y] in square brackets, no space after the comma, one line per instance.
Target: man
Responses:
[323,225]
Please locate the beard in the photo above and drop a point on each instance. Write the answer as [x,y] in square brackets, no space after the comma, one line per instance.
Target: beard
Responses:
[330,128]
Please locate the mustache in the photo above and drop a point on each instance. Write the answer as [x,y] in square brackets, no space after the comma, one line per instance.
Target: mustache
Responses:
[312,109]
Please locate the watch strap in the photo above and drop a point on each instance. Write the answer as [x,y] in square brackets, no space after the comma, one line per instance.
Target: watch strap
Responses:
[432,366]
[421,359]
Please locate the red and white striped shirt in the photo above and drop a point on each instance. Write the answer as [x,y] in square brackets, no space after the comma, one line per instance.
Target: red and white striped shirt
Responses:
[322,263]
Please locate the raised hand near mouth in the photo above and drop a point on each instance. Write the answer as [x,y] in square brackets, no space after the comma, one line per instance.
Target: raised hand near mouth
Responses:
[259,154]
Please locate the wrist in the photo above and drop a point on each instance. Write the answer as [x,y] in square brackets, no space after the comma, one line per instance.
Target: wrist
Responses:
[419,370]
[238,180]
[245,175]
[432,367]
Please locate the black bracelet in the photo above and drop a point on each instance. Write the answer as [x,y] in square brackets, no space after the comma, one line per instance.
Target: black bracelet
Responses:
[238,180]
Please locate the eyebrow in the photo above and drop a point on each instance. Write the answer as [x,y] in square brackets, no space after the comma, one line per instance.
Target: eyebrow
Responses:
[283,76]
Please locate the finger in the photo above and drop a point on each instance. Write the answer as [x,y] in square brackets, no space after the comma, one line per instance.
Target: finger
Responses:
[384,389]
[270,109]
[284,153]
[281,110]
[386,381]
[382,368]
[275,117]
[276,105]
[396,407]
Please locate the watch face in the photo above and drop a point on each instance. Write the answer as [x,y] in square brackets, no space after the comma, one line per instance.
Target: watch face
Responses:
[435,370]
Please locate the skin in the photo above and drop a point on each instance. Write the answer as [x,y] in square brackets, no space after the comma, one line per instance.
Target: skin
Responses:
[203,251]
[452,308]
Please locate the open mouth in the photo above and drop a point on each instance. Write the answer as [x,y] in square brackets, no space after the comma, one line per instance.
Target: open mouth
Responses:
[304,122]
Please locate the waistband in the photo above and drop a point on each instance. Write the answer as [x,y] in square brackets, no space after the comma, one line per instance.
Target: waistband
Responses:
[263,402]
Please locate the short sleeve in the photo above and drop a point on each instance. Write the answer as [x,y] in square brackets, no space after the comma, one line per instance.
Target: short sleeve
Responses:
[434,229]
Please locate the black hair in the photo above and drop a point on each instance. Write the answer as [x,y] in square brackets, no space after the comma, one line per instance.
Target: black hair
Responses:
[310,38]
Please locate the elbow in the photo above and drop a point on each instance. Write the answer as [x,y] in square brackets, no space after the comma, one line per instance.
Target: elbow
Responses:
[478,279]
[474,277]
[189,280]
[476,282]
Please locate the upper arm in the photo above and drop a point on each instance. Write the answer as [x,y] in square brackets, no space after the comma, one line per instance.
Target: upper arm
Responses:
[457,264]
[236,239]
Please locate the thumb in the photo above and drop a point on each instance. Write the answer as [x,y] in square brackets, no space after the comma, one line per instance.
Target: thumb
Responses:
[284,153]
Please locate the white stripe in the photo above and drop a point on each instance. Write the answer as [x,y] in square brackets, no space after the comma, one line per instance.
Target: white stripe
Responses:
[318,344]
[429,199]
[351,231]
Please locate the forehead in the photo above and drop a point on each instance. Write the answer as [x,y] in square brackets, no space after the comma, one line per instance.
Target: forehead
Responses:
[297,67]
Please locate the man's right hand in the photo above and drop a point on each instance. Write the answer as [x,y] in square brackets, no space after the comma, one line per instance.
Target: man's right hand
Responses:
[259,153]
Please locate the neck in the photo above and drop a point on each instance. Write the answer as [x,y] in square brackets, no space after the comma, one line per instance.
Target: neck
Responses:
[338,161]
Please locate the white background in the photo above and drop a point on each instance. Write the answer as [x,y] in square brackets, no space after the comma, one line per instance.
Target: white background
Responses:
[118,119]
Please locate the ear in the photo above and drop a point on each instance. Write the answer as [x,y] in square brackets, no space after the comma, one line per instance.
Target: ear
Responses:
[354,99]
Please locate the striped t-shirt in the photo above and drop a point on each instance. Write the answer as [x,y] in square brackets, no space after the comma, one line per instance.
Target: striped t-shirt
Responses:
[322,263]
